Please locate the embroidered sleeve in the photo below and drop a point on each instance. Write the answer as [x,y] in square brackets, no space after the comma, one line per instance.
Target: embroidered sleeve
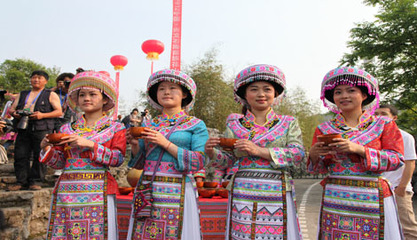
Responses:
[111,156]
[293,153]
[201,173]
[194,159]
[223,159]
[54,157]
[390,157]
[319,167]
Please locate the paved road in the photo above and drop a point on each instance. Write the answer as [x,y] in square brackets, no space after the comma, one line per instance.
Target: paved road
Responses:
[308,195]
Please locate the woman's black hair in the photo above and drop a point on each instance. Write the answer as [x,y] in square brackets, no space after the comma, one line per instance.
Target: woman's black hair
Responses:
[241,92]
[329,95]
[154,89]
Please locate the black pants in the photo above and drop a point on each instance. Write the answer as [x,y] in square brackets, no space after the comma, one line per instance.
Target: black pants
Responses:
[28,144]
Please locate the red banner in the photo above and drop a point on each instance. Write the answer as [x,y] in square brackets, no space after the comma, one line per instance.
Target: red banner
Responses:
[176,35]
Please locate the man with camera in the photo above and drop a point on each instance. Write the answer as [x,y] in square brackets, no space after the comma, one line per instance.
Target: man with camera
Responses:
[62,84]
[34,113]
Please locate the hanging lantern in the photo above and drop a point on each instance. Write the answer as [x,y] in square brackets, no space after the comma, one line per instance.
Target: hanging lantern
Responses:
[118,61]
[152,48]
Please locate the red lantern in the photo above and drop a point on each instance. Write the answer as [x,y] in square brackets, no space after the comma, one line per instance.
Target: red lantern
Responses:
[118,61]
[152,48]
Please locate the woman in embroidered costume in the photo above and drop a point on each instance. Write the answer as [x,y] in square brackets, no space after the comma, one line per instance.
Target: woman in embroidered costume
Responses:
[174,212]
[262,199]
[83,201]
[357,203]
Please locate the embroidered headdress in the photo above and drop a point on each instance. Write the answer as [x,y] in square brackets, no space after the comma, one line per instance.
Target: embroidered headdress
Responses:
[92,80]
[351,76]
[174,76]
[261,72]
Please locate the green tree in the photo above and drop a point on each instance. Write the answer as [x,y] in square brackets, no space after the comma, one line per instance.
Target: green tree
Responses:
[214,101]
[14,74]
[387,48]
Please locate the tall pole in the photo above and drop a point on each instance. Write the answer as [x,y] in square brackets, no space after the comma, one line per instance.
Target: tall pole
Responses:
[176,35]
[116,107]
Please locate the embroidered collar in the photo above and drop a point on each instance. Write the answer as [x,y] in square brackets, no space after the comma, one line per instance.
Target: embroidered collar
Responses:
[364,121]
[166,117]
[80,126]
[166,120]
[248,121]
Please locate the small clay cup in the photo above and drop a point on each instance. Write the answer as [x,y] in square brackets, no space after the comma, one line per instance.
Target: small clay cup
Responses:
[222,192]
[125,190]
[136,132]
[328,138]
[227,143]
[200,184]
[55,138]
[210,184]
[206,193]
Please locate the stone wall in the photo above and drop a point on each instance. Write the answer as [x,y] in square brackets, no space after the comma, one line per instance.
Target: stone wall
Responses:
[26,214]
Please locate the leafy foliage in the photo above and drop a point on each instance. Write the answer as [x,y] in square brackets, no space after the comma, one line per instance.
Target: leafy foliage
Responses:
[305,110]
[387,48]
[15,74]
[214,101]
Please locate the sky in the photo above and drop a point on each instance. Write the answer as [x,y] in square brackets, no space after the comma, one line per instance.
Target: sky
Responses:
[304,38]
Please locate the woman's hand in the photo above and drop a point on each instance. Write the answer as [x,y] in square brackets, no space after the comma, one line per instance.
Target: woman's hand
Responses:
[74,140]
[342,145]
[156,137]
[247,146]
[2,125]
[209,147]
[45,144]
[319,149]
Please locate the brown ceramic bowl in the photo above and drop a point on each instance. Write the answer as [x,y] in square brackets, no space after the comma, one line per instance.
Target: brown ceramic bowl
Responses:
[224,184]
[200,184]
[328,138]
[210,184]
[55,138]
[136,132]
[222,192]
[125,190]
[227,143]
[206,193]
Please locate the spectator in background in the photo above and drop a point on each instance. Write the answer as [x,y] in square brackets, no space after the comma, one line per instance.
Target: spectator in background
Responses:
[145,116]
[62,83]
[132,120]
[401,178]
[44,107]
[119,118]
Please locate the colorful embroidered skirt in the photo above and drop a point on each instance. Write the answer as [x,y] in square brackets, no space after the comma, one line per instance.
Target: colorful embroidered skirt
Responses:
[259,207]
[353,208]
[168,214]
[80,208]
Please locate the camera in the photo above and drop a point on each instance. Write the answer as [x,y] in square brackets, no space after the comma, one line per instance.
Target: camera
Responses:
[66,84]
[8,126]
[23,122]
[142,114]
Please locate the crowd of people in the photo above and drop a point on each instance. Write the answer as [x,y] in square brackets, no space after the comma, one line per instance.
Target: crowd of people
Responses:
[366,195]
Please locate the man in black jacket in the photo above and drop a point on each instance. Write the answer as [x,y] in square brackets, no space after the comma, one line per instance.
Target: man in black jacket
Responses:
[34,113]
